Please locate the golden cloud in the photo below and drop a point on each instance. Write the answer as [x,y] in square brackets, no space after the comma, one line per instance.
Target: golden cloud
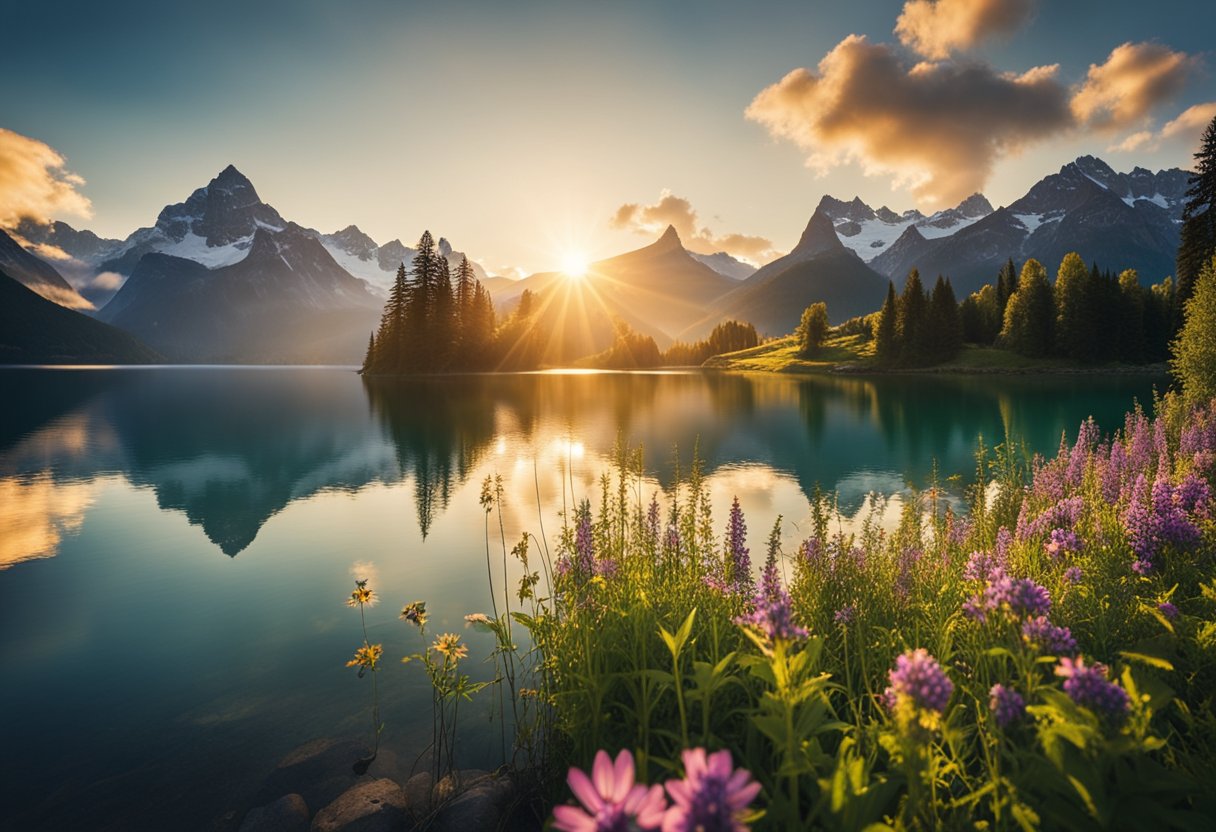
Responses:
[936,127]
[1186,130]
[34,182]
[1130,84]
[678,212]
[938,28]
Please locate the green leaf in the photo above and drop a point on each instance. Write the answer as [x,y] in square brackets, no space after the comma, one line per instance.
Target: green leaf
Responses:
[1143,658]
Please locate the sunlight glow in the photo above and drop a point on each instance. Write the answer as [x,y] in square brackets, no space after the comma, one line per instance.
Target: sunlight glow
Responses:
[574,265]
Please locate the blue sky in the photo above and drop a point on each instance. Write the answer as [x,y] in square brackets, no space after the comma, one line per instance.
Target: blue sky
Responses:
[515,129]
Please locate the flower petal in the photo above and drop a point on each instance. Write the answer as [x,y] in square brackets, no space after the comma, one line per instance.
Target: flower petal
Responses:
[602,775]
[572,819]
[623,774]
[581,786]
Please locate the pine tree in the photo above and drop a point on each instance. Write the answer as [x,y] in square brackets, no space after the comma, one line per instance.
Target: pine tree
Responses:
[812,329]
[1198,243]
[369,359]
[1030,314]
[1131,318]
[1074,290]
[944,324]
[1006,285]
[911,329]
[418,353]
[886,347]
[443,316]
[1194,352]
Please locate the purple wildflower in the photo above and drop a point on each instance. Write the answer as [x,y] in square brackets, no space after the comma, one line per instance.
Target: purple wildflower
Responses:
[1045,637]
[1089,687]
[584,543]
[653,524]
[1193,495]
[773,615]
[713,795]
[1007,705]
[738,564]
[1017,597]
[845,615]
[1062,542]
[980,566]
[1168,610]
[611,800]
[1073,575]
[1004,539]
[918,678]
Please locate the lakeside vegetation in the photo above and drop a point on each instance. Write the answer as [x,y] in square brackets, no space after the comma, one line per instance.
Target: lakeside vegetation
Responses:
[1045,659]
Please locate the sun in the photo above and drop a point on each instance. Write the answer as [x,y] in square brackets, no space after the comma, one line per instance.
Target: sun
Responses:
[574,265]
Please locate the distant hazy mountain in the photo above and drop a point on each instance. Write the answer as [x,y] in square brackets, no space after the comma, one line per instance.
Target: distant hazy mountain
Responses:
[285,301]
[659,290]
[725,265]
[215,227]
[361,256]
[1119,220]
[819,268]
[37,274]
[34,330]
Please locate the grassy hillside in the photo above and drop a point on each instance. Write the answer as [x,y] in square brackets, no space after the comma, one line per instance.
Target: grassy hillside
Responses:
[853,353]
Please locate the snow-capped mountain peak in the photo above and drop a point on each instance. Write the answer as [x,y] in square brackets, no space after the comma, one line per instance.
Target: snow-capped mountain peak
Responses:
[869,233]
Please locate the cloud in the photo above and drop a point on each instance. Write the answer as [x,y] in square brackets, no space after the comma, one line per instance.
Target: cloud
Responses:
[937,128]
[1133,81]
[678,212]
[34,183]
[107,281]
[1185,130]
[937,28]
[1191,123]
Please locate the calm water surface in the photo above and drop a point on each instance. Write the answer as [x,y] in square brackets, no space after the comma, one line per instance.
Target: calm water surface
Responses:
[176,543]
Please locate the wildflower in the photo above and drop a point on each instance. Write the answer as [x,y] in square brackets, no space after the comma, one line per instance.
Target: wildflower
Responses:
[713,795]
[738,564]
[1168,610]
[1062,542]
[611,800]
[1089,687]
[918,678]
[1045,637]
[652,521]
[773,616]
[1073,575]
[1007,705]
[367,656]
[479,619]
[362,596]
[845,615]
[716,584]
[415,613]
[980,566]
[449,645]
[1017,597]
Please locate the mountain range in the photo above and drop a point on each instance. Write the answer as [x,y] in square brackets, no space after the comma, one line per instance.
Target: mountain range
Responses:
[223,277]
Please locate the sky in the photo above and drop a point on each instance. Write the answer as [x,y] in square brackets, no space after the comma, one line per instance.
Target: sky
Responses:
[525,131]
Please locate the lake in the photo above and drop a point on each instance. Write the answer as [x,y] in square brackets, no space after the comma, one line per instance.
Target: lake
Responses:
[176,544]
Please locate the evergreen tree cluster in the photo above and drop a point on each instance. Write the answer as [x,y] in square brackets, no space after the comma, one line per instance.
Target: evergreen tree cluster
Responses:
[918,328]
[729,336]
[433,322]
[1198,244]
[1087,316]
[812,330]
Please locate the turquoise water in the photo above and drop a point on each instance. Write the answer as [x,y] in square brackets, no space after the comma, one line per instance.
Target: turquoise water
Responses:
[176,544]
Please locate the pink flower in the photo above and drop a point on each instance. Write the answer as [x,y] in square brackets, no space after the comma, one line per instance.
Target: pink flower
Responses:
[611,801]
[712,795]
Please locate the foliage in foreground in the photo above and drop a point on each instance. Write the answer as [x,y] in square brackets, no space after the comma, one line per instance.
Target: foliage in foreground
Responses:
[1045,660]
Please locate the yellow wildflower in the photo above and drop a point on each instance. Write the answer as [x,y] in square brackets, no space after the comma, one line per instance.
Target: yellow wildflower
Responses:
[362,596]
[449,645]
[367,656]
